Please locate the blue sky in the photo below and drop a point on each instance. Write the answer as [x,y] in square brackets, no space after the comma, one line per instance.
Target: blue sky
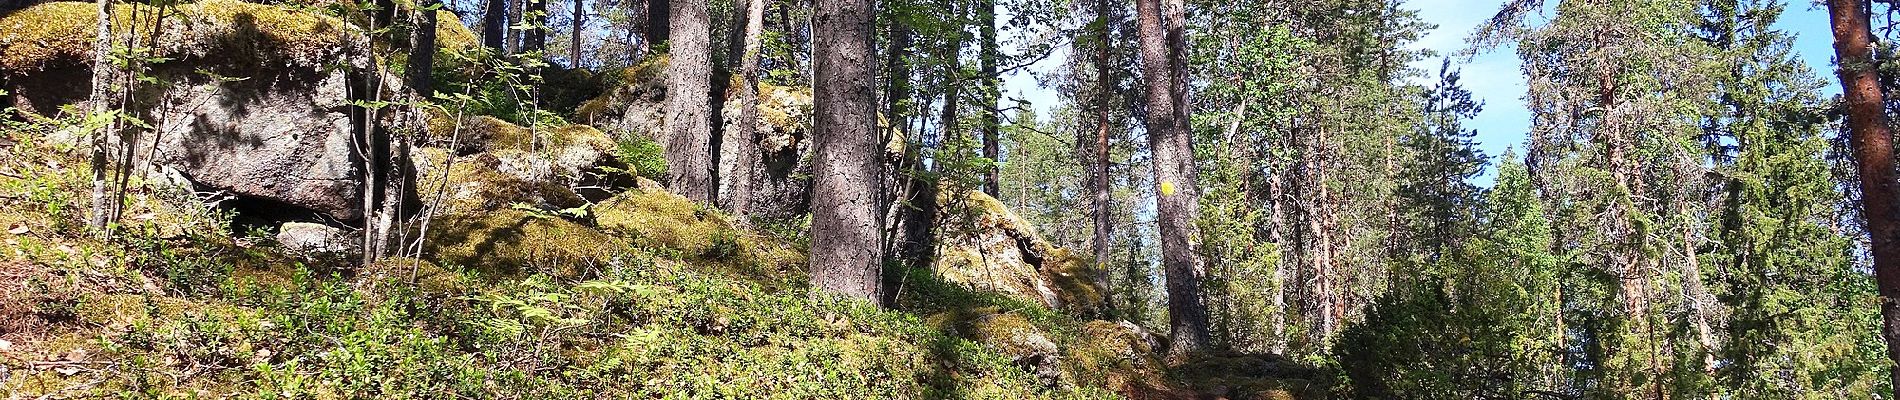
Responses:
[1494,77]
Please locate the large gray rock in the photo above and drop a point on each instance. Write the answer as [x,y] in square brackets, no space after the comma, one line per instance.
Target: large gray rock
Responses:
[289,142]
[255,102]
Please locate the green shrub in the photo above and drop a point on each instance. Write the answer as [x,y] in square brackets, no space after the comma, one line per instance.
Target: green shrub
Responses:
[646,157]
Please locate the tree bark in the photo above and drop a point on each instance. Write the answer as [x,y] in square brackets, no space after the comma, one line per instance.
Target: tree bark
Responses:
[659,20]
[579,26]
[1872,142]
[495,25]
[383,15]
[897,65]
[992,93]
[689,116]
[845,226]
[102,69]
[953,72]
[743,142]
[1099,170]
[422,49]
[1164,67]
[515,13]
[536,38]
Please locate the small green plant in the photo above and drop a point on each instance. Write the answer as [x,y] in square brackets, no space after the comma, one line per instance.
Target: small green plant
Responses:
[645,157]
[725,245]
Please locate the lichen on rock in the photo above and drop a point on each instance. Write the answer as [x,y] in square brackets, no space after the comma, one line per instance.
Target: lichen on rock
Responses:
[989,247]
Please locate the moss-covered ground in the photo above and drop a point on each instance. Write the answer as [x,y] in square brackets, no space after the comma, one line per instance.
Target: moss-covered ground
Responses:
[650,296]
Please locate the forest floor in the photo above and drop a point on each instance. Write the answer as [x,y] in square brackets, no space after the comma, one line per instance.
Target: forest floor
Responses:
[652,296]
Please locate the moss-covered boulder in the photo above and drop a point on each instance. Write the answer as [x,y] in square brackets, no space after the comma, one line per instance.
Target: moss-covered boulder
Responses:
[670,224]
[489,181]
[508,242]
[634,107]
[252,100]
[482,162]
[988,247]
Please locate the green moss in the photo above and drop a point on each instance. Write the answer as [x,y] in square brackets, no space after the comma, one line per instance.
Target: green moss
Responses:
[486,133]
[989,247]
[508,242]
[451,35]
[628,84]
[427,278]
[672,224]
[226,31]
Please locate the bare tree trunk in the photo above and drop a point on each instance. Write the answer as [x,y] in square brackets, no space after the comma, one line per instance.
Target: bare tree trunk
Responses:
[384,15]
[1872,141]
[577,29]
[992,93]
[102,69]
[953,71]
[515,17]
[689,105]
[422,49]
[495,25]
[845,226]
[659,22]
[1099,204]
[897,64]
[743,142]
[1164,67]
[536,39]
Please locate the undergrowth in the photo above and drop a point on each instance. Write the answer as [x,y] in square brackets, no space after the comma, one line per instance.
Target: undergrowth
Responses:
[176,306]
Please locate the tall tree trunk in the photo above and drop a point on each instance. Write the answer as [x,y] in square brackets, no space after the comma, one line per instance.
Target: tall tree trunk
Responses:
[383,15]
[495,25]
[897,65]
[98,100]
[422,49]
[516,10]
[953,72]
[577,28]
[1099,203]
[659,22]
[743,142]
[536,39]
[1872,141]
[845,229]
[992,94]
[1164,67]
[689,102]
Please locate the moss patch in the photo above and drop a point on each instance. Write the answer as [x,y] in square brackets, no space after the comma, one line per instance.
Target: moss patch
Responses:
[451,35]
[509,242]
[670,224]
[61,34]
[643,80]
[989,247]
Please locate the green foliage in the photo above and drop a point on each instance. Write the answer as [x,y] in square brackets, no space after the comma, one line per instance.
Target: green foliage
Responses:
[646,157]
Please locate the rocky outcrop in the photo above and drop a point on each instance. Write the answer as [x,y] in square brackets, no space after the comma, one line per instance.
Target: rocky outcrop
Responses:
[988,247]
[484,163]
[636,108]
[255,101]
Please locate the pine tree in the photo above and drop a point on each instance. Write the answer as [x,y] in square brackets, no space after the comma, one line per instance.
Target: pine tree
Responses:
[1872,141]
[689,103]
[845,227]
[1164,68]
